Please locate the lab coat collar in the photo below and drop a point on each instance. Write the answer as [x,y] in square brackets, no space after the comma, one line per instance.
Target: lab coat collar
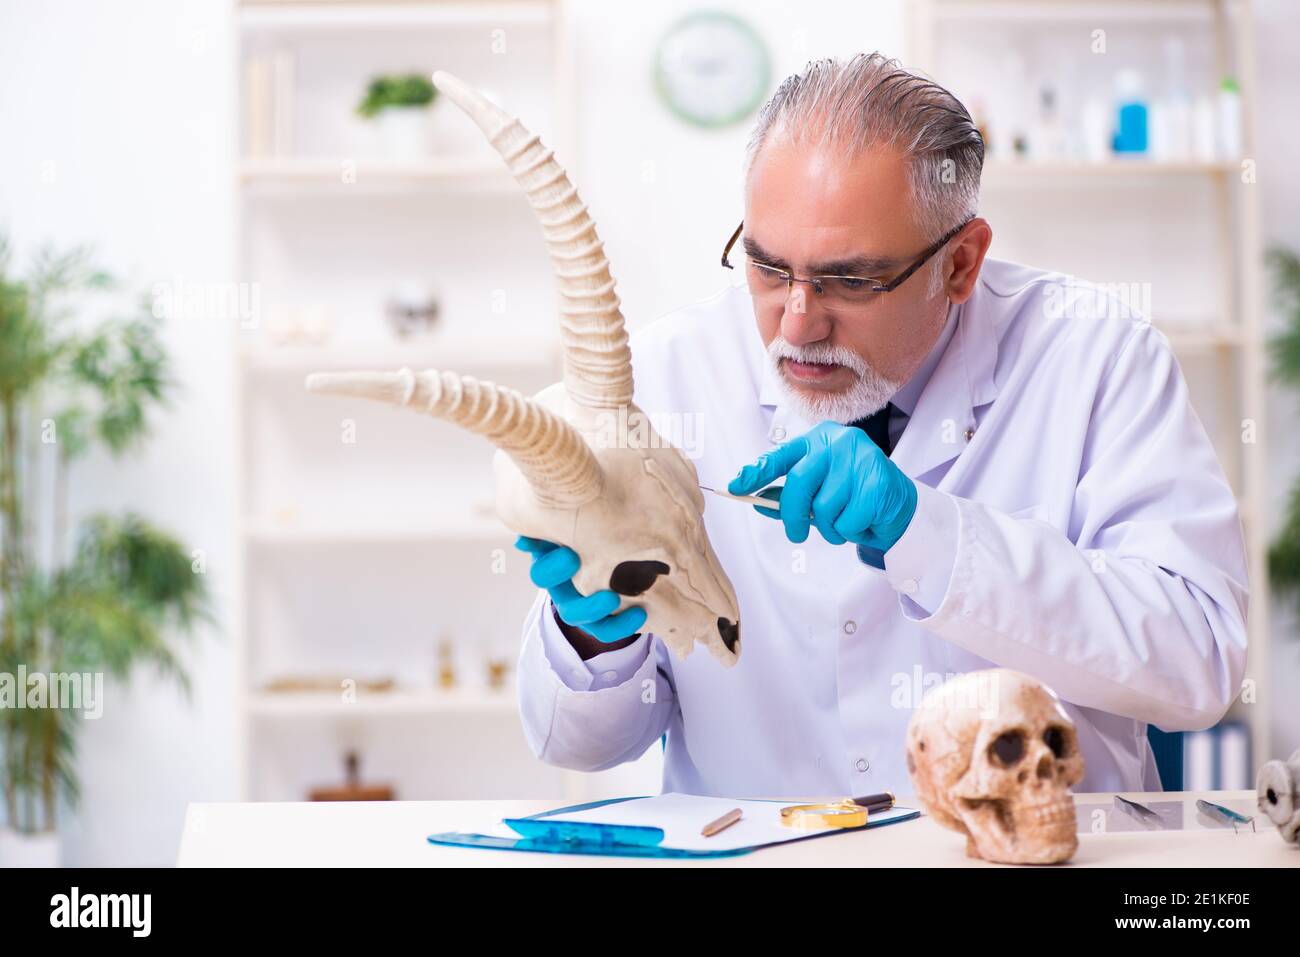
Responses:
[944,418]
[905,399]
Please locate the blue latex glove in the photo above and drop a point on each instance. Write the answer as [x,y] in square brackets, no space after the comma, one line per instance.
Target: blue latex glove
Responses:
[839,482]
[553,568]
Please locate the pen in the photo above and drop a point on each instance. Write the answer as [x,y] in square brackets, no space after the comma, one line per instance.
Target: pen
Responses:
[876,802]
[722,823]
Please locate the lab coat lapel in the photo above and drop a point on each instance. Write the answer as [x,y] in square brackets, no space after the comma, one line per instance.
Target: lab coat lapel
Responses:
[944,418]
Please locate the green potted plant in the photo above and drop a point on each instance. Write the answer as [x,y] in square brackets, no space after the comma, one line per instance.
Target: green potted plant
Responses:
[1284,347]
[399,103]
[76,603]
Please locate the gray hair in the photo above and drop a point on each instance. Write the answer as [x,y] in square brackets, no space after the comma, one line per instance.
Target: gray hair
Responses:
[872,101]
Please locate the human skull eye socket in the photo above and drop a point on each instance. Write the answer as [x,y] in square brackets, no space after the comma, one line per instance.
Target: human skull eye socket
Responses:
[1007,748]
[636,577]
[1055,739]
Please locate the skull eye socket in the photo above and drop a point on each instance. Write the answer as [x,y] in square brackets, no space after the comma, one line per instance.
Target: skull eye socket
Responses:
[1007,748]
[635,578]
[1055,739]
[729,632]
[1271,795]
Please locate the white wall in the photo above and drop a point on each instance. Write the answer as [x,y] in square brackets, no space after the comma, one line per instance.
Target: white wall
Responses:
[116,131]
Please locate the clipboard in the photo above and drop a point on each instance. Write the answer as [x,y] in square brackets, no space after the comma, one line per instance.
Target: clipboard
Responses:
[572,830]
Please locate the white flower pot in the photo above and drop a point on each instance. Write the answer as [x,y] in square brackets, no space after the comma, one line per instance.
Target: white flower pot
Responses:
[404,132]
[29,850]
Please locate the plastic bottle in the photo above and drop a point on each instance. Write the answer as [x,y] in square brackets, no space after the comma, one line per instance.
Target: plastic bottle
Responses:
[1229,119]
[1098,130]
[1176,128]
[1203,129]
[1131,113]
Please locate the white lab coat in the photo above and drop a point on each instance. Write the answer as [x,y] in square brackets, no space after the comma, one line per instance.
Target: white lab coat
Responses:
[1073,523]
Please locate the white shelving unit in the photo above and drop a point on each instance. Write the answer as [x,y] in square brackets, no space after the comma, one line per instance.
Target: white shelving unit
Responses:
[367,534]
[1202,209]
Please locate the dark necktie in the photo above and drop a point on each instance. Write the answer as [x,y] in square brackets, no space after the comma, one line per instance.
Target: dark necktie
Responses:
[877,428]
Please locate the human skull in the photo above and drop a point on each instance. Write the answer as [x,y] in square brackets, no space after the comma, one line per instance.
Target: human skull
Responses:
[580,464]
[1278,788]
[993,755]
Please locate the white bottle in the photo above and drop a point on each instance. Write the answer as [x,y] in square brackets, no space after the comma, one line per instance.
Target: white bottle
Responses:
[1229,117]
[1204,134]
[1097,130]
[1175,125]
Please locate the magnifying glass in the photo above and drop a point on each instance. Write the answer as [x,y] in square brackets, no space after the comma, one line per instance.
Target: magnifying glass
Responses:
[848,812]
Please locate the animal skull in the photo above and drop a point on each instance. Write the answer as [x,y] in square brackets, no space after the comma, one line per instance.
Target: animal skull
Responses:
[580,464]
[992,754]
[1278,788]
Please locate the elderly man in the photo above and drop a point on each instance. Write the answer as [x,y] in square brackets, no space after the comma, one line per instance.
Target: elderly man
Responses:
[984,465]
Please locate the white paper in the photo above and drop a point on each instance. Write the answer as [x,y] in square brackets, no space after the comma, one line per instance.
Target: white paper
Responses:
[681,816]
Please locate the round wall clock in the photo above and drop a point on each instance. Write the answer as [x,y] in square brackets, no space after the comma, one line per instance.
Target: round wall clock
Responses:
[712,68]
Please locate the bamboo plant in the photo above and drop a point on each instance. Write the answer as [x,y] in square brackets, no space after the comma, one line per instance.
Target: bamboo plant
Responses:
[111,591]
[1284,347]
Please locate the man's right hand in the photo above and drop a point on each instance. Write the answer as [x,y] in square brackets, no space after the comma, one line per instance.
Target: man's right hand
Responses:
[592,615]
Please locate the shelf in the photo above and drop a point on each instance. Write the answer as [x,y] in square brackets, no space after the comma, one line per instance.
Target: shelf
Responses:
[363,176]
[1010,172]
[1189,336]
[461,527]
[509,349]
[340,175]
[1224,31]
[1096,12]
[316,704]
[391,16]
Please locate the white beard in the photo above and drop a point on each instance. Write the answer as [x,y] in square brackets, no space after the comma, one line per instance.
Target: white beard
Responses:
[867,395]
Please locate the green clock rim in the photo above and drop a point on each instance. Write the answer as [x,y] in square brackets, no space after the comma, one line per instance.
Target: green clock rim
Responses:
[765,65]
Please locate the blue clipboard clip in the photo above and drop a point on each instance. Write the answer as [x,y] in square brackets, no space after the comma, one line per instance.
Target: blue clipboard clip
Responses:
[584,832]
[538,834]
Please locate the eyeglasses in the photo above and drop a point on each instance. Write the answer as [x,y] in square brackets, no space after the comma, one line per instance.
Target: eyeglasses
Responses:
[766,279]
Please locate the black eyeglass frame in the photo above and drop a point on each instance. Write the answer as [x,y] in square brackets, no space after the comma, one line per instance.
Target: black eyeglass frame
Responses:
[816,281]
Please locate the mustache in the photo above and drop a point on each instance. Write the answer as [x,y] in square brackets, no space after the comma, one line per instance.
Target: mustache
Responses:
[820,353]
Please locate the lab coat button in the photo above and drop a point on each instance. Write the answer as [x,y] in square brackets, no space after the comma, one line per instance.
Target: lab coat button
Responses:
[862,764]
[908,586]
[777,434]
[610,675]
[850,627]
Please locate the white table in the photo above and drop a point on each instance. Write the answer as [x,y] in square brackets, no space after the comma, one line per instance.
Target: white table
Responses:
[392,834]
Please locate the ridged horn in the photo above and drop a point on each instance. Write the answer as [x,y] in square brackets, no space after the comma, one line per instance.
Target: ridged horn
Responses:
[597,361]
[550,453]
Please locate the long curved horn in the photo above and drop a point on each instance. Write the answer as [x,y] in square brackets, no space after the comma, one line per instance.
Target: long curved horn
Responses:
[597,361]
[550,453]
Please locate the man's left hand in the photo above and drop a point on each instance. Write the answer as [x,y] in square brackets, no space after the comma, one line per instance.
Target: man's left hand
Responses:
[838,481]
